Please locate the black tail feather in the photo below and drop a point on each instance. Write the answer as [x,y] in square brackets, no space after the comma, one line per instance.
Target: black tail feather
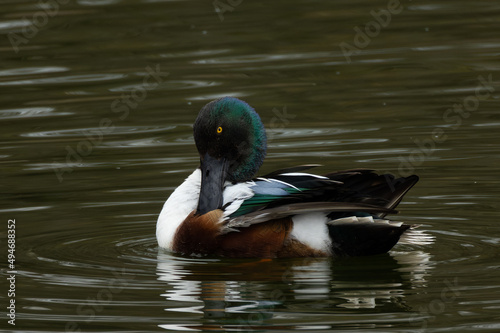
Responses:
[355,238]
[363,185]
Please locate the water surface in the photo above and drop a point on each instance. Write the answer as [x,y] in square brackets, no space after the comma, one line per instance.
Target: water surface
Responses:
[96,109]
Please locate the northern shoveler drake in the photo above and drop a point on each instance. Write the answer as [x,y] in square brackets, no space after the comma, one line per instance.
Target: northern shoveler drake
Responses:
[221,210]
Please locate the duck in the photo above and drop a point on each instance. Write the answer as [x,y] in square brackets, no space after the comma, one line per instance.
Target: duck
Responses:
[223,209]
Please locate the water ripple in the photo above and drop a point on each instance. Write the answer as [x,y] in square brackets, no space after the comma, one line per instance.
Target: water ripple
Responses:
[30,113]
[14,24]
[82,132]
[32,71]
[24,209]
[310,132]
[257,58]
[65,79]
[147,142]
[67,248]
[174,85]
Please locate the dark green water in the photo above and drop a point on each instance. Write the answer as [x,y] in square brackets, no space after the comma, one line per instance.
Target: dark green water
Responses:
[97,98]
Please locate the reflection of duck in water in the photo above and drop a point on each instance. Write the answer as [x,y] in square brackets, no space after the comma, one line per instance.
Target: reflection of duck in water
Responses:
[221,210]
[240,294]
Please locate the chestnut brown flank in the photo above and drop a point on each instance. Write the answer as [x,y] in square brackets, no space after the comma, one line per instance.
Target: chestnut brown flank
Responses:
[197,234]
[200,234]
[262,240]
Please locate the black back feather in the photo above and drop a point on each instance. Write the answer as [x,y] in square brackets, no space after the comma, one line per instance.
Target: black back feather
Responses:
[350,186]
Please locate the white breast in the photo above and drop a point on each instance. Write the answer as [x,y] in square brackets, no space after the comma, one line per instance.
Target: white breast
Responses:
[175,210]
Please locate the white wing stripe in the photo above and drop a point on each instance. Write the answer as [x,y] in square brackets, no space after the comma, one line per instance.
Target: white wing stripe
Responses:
[298,174]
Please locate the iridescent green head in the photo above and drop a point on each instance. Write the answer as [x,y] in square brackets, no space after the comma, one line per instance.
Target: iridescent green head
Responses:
[231,141]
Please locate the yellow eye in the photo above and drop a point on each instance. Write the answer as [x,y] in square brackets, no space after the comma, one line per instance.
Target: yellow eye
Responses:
[219,130]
